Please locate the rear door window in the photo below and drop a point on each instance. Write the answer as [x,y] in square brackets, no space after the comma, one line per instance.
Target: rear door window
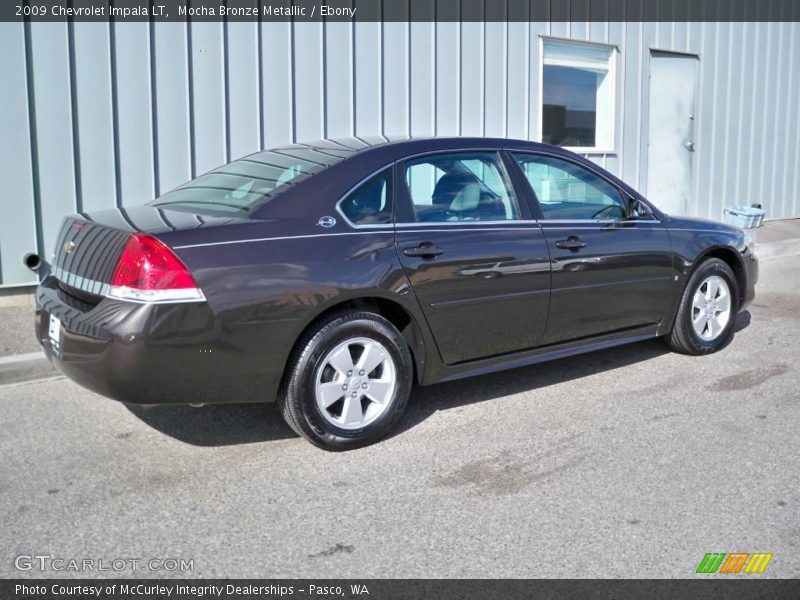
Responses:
[460,187]
[371,202]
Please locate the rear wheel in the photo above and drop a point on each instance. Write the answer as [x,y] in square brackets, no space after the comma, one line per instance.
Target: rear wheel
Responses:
[348,381]
[707,311]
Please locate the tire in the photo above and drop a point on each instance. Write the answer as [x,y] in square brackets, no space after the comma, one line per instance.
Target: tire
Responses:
[320,375]
[685,337]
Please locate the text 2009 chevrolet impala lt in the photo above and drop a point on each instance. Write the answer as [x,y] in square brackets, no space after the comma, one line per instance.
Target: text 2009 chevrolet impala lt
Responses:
[332,276]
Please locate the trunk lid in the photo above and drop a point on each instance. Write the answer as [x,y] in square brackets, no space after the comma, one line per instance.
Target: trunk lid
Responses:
[89,245]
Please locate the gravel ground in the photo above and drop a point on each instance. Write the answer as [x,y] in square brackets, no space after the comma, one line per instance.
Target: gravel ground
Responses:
[16,330]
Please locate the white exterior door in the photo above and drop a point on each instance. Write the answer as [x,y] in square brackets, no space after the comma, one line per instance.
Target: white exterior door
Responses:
[670,148]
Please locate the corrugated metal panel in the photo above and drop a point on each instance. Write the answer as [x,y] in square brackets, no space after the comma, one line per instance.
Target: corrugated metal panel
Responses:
[97,115]
[18,202]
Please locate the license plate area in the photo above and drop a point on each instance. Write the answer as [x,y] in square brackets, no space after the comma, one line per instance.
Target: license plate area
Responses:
[54,334]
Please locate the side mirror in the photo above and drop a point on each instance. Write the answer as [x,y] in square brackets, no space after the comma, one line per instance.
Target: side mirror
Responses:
[638,210]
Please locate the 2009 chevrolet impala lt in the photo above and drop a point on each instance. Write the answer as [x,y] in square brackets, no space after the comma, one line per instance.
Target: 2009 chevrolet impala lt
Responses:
[332,276]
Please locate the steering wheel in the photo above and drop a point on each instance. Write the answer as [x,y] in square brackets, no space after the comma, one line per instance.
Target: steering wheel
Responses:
[606,209]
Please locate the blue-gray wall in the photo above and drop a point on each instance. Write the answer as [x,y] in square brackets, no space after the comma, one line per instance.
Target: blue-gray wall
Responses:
[94,115]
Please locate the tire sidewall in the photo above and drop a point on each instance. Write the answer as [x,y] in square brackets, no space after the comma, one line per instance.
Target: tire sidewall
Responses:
[311,419]
[708,268]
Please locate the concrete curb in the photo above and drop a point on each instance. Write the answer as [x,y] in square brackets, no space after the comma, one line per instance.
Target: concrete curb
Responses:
[774,249]
[19,368]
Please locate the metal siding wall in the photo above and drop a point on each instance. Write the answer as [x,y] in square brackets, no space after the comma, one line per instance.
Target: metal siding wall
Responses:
[791,163]
[173,107]
[395,70]
[448,83]
[94,119]
[339,79]
[309,74]
[422,64]
[208,95]
[518,94]
[18,221]
[133,113]
[96,115]
[277,89]
[495,90]
[368,49]
[243,114]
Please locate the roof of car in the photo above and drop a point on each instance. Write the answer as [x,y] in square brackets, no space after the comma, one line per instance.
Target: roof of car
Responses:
[403,143]
[366,156]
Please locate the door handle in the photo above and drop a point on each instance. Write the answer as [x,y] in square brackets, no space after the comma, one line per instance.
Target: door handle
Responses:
[424,250]
[689,146]
[571,243]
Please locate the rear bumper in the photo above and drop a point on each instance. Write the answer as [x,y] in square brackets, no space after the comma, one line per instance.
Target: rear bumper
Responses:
[146,353]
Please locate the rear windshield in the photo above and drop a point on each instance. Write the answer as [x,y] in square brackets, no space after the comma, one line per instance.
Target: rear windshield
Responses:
[239,186]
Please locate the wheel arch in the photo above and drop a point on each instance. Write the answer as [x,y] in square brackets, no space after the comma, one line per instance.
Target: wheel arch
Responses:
[729,256]
[390,309]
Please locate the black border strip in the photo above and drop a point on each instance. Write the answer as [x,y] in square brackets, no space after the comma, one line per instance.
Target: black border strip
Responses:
[709,588]
[394,10]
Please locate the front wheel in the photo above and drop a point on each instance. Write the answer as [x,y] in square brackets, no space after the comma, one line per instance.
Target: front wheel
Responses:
[706,315]
[348,381]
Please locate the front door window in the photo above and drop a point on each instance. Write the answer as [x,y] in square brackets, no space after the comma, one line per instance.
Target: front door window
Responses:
[568,192]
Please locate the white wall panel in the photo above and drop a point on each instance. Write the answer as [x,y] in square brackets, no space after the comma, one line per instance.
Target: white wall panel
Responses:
[495,82]
[207,77]
[422,75]
[93,109]
[18,223]
[339,79]
[173,138]
[133,116]
[519,74]
[448,78]
[309,74]
[277,91]
[53,131]
[395,70]
[368,50]
[791,133]
[243,95]
[472,73]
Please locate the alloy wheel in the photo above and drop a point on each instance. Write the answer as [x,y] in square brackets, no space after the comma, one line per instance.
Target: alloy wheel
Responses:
[355,383]
[711,308]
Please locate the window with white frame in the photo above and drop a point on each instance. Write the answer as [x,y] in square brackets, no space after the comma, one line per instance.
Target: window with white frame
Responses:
[578,95]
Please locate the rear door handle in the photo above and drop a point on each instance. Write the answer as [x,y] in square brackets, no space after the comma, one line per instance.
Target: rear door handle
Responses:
[571,243]
[424,250]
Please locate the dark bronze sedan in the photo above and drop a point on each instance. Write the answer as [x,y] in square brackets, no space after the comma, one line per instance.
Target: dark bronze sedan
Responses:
[332,276]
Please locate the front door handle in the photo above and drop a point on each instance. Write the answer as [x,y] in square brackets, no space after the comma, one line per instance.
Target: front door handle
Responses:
[424,250]
[571,243]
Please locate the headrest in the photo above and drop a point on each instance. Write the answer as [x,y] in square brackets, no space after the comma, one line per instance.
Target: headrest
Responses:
[468,198]
[449,185]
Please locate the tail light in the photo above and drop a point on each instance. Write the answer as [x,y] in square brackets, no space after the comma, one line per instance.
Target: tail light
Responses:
[148,271]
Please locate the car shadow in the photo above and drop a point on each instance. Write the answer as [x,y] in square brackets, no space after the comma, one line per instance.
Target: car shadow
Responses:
[231,424]
[443,396]
[217,424]
[742,321]
[429,400]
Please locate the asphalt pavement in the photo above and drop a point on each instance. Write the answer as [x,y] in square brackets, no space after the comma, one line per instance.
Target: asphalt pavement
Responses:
[630,462]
